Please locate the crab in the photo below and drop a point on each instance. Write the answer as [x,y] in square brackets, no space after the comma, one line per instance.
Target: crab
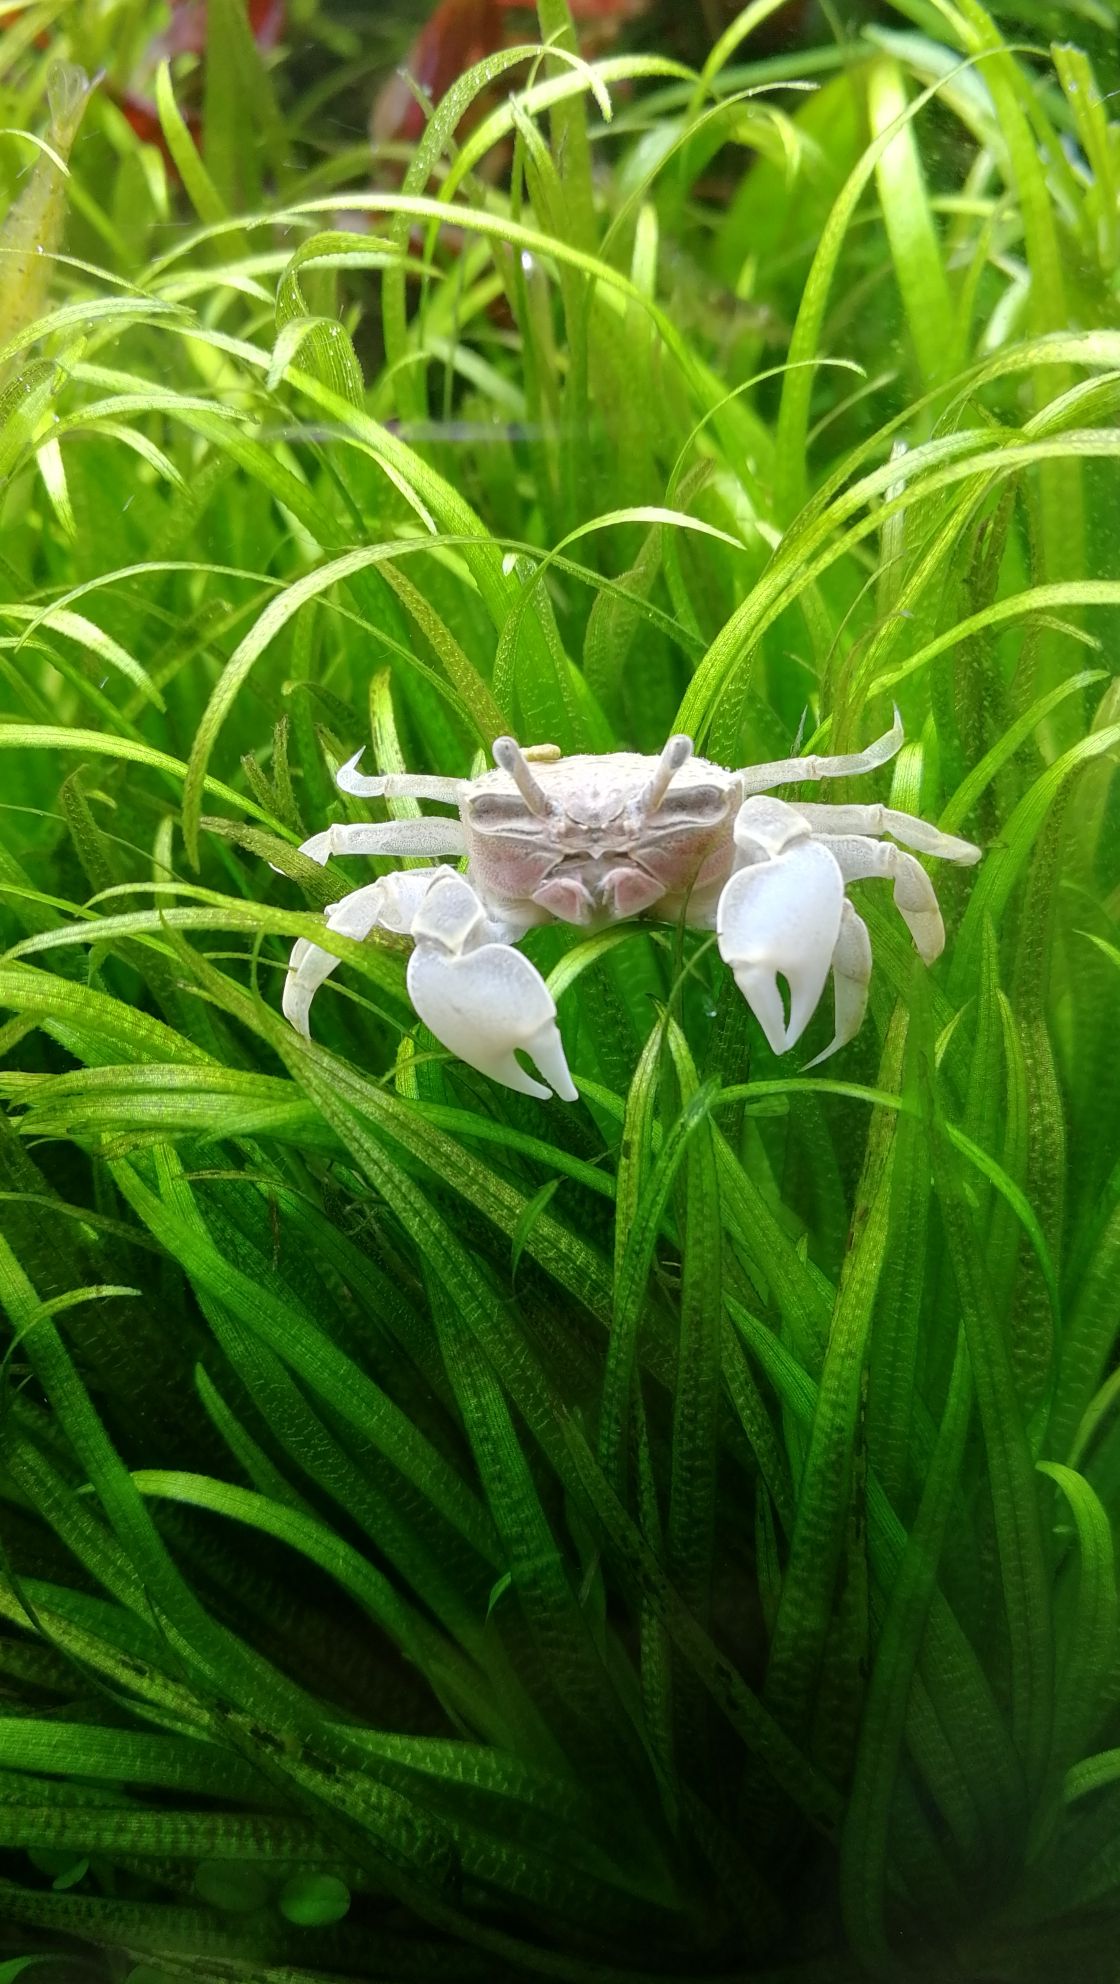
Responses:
[597,840]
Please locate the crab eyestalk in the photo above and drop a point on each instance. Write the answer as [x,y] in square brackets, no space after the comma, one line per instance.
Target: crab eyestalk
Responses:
[676,753]
[509,757]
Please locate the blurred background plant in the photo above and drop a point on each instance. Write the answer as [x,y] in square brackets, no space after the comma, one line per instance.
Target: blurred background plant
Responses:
[671,1536]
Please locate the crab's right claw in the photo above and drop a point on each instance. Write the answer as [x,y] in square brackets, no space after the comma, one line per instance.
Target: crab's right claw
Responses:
[485,1004]
[782,915]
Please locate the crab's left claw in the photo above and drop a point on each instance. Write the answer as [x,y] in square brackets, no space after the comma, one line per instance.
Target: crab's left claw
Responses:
[483,1001]
[780,915]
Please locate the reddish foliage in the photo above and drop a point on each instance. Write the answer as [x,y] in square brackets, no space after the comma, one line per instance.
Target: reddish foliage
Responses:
[185,34]
[458,34]
[141,114]
[461,32]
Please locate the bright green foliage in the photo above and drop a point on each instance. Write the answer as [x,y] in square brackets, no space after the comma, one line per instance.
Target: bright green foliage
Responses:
[671,1536]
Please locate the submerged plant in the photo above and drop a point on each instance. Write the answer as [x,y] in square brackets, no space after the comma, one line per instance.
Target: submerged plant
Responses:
[444,1536]
[32,230]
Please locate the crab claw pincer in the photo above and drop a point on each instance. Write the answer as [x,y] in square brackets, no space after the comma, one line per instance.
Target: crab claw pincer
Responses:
[483,1001]
[781,914]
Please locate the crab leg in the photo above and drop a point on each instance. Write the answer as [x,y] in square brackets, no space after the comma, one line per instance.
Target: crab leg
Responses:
[387,837]
[387,904]
[791,771]
[862,860]
[863,820]
[397,785]
[851,977]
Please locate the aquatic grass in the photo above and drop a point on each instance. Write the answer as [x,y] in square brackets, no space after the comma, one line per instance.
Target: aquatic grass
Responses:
[670,1536]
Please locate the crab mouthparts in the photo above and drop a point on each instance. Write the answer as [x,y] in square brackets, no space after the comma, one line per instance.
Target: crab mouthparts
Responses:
[578,896]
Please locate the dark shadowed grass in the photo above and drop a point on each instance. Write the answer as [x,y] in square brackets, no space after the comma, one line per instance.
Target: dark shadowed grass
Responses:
[669,1536]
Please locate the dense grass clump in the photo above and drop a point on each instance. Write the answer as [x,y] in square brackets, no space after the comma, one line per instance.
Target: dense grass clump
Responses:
[670,1536]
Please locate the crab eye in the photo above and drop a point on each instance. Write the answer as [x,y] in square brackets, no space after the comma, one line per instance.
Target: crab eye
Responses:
[700,803]
[493,810]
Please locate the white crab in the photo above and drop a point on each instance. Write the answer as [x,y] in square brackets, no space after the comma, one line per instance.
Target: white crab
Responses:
[596,840]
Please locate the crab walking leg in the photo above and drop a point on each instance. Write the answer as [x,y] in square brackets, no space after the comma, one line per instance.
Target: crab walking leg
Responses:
[851,978]
[874,820]
[397,785]
[480,997]
[791,771]
[387,904]
[387,837]
[914,898]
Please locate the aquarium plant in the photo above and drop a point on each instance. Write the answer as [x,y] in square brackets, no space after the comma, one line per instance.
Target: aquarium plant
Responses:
[450,1534]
